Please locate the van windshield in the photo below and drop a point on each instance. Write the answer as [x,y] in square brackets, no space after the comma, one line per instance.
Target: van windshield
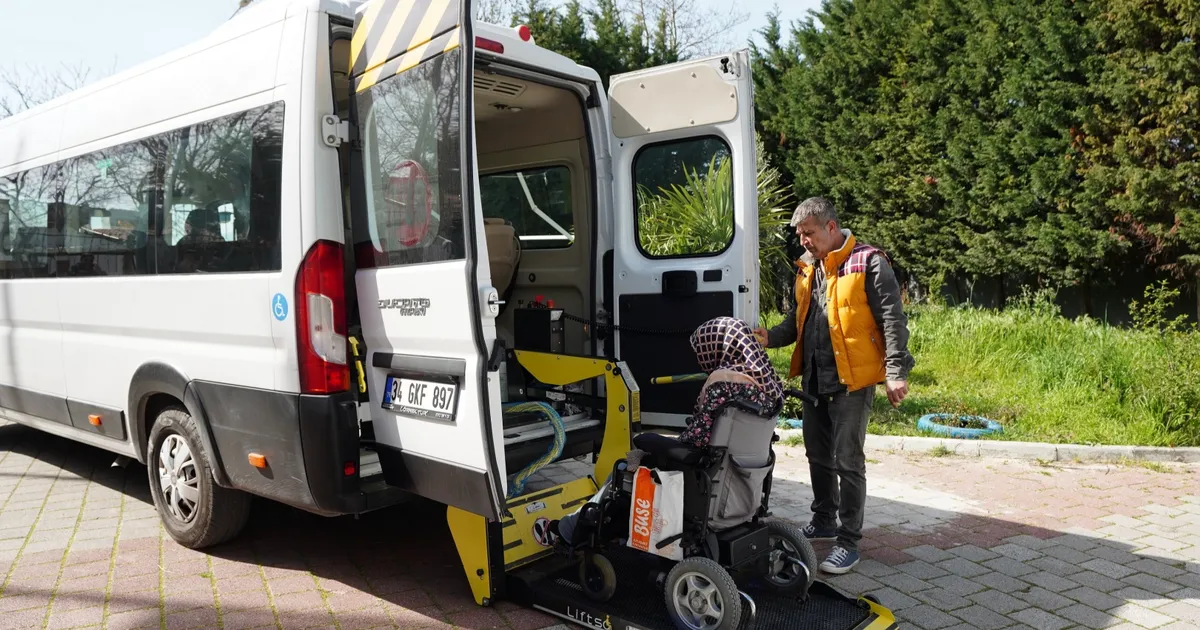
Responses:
[411,129]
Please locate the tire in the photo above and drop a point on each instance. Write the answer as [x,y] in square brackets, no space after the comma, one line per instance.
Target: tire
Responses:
[195,511]
[787,543]
[713,587]
[597,577]
[929,423]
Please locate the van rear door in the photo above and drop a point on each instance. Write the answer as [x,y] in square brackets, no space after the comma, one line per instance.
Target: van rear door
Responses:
[686,221]
[426,308]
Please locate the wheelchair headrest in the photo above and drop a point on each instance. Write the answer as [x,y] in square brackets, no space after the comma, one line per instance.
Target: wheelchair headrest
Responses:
[727,376]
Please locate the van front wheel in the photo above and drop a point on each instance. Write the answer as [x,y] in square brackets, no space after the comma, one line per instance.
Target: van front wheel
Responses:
[195,511]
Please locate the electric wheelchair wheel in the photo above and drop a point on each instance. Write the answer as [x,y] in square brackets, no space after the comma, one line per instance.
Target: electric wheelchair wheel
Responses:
[701,595]
[792,564]
[597,577]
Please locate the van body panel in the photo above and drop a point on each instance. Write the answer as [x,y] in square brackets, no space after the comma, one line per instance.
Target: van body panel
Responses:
[670,124]
[423,299]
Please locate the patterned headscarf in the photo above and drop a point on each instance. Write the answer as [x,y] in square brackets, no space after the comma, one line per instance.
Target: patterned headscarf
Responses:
[729,343]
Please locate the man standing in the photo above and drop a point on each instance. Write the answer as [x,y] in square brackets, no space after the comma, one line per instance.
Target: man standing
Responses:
[851,334]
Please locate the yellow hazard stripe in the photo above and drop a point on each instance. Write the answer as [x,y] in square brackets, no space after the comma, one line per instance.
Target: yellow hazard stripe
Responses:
[425,31]
[364,26]
[389,30]
[409,60]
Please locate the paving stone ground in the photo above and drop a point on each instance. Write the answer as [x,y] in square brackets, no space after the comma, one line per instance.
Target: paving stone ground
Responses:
[950,543]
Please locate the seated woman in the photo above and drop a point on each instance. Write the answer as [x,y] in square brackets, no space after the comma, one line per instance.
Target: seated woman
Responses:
[737,367]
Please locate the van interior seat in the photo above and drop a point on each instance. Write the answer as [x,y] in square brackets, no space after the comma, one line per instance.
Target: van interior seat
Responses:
[504,253]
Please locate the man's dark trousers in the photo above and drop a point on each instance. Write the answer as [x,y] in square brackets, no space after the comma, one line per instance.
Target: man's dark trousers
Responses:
[835,433]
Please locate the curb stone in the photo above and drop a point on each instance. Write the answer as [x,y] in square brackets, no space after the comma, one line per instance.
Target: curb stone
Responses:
[1027,450]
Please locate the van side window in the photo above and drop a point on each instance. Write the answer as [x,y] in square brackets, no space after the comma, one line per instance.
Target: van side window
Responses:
[108,194]
[30,211]
[204,198]
[684,198]
[536,202]
[410,127]
[221,206]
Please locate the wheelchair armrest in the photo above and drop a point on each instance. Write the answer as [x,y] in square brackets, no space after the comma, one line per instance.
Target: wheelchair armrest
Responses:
[806,397]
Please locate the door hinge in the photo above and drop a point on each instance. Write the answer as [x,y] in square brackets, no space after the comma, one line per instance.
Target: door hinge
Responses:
[730,66]
[499,355]
[334,131]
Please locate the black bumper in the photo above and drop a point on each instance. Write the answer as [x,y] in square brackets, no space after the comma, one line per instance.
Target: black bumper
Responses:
[307,441]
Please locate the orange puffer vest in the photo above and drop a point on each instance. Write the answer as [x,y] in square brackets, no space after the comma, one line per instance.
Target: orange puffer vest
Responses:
[857,343]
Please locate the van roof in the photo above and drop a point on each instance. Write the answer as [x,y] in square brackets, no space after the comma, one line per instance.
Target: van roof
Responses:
[248,19]
[264,12]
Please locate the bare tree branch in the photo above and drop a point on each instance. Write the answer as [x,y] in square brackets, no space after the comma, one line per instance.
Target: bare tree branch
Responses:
[691,27]
[35,85]
[496,11]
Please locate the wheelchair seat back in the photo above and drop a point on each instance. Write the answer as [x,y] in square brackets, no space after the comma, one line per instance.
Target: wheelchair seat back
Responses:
[747,463]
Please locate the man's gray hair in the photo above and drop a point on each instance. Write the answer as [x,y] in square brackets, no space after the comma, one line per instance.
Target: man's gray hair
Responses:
[818,207]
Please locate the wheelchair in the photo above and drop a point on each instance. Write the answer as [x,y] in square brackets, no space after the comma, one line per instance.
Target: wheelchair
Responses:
[727,539]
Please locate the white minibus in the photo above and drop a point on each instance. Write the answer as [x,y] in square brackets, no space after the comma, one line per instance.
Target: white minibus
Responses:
[287,260]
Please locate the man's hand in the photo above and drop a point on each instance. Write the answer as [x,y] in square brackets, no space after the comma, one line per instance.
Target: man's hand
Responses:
[896,392]
[761,335]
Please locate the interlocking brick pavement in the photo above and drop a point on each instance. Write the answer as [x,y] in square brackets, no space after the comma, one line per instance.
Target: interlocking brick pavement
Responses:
[81,547]
[950,543]
[990,543]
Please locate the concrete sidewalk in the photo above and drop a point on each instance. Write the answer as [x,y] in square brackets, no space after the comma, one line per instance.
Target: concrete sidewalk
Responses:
[952,542]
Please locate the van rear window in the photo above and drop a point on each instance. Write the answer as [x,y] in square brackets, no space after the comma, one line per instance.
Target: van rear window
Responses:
[684,198]
[412,210]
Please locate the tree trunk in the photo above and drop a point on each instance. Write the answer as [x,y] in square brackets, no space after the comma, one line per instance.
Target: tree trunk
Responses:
[1087,297]
[1003,294]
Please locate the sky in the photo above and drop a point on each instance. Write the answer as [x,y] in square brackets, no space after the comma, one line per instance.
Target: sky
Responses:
[114,35]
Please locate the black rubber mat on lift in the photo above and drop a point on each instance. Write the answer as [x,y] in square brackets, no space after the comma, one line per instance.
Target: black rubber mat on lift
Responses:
[638,601]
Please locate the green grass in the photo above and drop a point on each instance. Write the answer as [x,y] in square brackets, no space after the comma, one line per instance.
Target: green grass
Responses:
[940,451]
[1045,378]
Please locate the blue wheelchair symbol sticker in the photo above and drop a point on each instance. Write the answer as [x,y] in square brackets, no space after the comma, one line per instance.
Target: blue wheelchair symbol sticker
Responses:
[279,307]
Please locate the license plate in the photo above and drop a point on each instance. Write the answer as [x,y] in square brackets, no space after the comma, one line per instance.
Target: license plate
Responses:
[422,399]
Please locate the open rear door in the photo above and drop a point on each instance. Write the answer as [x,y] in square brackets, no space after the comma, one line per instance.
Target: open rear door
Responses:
[426,308]
[686,216]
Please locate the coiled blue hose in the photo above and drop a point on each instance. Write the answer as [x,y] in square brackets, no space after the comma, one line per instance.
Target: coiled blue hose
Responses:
[516,486]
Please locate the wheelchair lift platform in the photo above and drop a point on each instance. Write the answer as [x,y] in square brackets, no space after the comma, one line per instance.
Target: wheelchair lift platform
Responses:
[513,558]
[552,587]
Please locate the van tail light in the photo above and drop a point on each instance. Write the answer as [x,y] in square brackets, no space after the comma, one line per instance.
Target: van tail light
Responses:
[489,45]
[321,320]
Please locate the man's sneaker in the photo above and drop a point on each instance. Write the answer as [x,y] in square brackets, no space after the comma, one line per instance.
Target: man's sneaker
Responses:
[812,533]
[840,560]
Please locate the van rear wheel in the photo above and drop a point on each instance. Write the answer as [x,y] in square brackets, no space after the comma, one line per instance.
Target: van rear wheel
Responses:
[195,511]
